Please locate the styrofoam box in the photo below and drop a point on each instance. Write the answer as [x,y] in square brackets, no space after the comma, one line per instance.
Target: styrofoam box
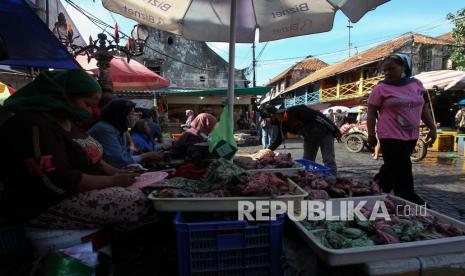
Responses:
[367,254]
[221,204]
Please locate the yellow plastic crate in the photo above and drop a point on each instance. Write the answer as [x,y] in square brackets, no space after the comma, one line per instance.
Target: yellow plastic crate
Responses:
[436,145]
[292,136]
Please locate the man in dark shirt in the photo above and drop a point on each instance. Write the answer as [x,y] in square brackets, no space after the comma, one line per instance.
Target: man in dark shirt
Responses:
[339,118]
[318,131]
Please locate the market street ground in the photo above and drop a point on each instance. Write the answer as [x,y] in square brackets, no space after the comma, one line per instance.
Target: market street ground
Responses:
[439,178]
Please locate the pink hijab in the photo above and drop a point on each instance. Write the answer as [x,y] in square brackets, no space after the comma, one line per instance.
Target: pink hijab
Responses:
[204,122]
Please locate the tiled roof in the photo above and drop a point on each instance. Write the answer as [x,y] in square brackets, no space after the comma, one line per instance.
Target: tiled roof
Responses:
[369,56]
[446,36]
[309,64]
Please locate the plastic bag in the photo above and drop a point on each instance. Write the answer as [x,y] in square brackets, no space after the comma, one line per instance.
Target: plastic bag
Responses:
[77,260]
[222,137]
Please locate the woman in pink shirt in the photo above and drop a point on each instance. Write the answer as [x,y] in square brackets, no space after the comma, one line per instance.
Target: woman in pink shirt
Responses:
[400,101]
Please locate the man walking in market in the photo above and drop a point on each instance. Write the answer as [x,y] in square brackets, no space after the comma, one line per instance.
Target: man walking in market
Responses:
[318,131]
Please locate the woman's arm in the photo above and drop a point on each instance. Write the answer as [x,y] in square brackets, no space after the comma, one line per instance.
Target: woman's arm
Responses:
[94,182]
[115,149]
[131,144]
[107,168]
[371,123]
[427,118]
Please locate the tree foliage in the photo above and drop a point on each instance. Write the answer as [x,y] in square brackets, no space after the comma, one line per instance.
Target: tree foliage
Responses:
[458,34]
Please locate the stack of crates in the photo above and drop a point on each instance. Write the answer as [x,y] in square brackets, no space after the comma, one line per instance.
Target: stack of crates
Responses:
[208,246]
[461,145]
[445,142]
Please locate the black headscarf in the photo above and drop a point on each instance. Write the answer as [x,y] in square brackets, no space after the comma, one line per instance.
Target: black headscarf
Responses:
[116,112]
[139,127]
[146,113]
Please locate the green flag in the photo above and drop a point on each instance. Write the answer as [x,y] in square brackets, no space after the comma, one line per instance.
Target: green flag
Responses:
[222,137]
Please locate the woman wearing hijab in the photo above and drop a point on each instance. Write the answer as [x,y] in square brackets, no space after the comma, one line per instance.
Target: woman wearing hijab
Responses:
[201,126]
[400,101]
[112,133]
[52,173]
[140,134]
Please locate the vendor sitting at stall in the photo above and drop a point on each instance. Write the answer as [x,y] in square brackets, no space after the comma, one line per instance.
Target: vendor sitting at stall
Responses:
[117,116]
[201,126]
[151,117]
[52,173]
[140,134]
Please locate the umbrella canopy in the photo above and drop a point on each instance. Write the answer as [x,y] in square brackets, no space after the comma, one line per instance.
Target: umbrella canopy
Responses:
[236,21]
[356,109]
[26,41]
[131,76]
[443,79]
[275,19]
[457,84]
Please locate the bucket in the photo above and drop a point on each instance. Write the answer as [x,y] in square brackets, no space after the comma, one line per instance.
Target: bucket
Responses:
[461,145]
[44,239]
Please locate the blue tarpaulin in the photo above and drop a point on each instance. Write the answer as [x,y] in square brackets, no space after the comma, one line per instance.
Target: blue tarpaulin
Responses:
[27,41]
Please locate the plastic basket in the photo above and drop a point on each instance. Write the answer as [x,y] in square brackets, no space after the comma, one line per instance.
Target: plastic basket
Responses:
[209,247]
[12,239]
[312,166]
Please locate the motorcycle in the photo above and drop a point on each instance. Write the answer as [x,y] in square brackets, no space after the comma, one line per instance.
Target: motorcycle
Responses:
[355,139]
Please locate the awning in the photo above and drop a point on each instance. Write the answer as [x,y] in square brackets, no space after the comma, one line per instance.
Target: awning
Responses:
[442,79]
[251,91]
[131,76]
[265,99]
[26,41]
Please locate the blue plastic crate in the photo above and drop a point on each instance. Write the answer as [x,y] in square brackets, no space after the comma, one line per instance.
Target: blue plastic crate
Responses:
[12,240]
[312,166]
[209,247]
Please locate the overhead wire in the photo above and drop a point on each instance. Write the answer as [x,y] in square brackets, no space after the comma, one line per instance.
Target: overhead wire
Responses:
[337,52]
[98,22]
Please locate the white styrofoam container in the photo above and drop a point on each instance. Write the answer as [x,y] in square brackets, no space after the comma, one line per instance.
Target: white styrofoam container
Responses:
[221,204]
[297,167]
[44,239]
[367,254]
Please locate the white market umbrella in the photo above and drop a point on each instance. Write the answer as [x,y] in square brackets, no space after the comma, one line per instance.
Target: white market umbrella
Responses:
[356,109]
[442,79]
[334,108]
[237,21]
[457,84]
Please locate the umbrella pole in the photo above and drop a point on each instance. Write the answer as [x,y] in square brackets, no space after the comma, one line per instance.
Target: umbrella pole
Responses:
[431,107]
[232,49]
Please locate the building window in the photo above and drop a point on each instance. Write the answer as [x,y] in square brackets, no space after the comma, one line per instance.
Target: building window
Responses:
[203,79]
[170,40]
[155,66]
